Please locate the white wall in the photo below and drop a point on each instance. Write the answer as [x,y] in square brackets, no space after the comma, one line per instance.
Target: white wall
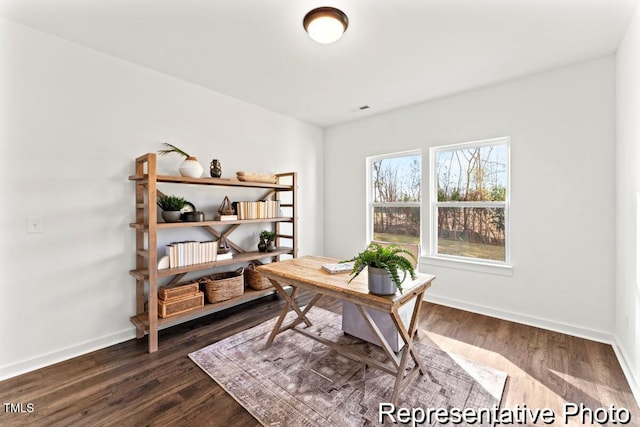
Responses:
[562,129]
[74,120]
[627,318]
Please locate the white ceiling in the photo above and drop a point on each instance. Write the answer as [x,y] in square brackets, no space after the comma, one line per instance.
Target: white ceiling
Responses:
[395,52]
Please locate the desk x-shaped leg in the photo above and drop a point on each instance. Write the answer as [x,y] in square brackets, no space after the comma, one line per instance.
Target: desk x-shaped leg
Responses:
[291,303]
[399,364]
[407,336]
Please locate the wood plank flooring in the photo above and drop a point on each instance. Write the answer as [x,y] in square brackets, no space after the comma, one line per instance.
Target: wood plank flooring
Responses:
[123,385]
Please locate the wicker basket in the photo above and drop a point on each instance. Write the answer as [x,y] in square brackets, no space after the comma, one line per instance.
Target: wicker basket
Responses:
[255,279]
[223,286]
[180,305]
[177,291]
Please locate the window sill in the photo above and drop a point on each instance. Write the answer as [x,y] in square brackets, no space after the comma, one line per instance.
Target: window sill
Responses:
[479,267]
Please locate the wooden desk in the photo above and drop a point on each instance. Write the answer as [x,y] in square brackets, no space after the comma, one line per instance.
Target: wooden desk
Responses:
[306,273]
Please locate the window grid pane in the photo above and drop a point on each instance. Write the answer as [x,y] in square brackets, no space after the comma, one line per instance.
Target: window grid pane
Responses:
[470,200]
[395,198]
[396,224]
[471,232]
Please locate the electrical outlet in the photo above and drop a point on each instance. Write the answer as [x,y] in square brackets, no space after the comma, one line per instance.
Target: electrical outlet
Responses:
[35,224]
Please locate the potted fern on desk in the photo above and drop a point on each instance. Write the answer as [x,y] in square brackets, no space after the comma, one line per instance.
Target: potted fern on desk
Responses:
[384,267]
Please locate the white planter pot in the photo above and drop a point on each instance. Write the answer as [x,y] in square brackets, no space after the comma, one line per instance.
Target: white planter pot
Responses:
[380,282]
[191,168]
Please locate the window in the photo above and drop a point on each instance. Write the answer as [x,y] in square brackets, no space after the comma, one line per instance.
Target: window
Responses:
[394,198]
[470,201]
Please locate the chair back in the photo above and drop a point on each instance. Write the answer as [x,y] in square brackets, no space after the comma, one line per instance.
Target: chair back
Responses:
[411,247]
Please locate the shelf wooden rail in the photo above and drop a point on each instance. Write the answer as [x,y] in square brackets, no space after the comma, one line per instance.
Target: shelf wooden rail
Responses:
[146,227]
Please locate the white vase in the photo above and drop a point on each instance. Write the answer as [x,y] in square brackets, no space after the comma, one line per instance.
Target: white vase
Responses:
[191,168]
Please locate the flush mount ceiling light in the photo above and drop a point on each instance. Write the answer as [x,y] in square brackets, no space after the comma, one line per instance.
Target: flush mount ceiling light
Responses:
[325,24]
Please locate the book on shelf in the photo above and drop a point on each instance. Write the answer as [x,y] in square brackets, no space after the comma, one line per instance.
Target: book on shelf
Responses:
[183,254]
[263,209]
[220,217]
[220,257]
[338,267]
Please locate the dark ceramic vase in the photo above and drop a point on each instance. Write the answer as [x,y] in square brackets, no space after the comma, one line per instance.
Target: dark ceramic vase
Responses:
[262,246]
[215,168]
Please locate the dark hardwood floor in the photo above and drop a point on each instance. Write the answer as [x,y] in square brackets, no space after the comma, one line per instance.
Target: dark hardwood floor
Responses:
[123,385]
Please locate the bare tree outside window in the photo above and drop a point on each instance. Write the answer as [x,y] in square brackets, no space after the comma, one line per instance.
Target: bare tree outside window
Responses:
[395,198]
[470,209]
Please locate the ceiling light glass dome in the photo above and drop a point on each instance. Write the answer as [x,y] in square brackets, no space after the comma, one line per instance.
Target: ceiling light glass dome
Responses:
[325,24]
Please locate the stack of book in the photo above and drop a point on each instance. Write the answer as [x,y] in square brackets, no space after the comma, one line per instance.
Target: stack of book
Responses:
[182,254]
[263,209]
[228,217]
[338,267]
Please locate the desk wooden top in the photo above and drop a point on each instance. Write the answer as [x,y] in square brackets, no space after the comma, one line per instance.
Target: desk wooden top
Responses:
[306,272]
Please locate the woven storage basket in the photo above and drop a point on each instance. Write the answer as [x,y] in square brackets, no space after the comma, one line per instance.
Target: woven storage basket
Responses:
[177,291]
[255,279]
[223,286]
[180,305]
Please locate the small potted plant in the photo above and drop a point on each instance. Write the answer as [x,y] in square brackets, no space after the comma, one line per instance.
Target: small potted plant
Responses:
[171,206]
[269,238]
[190,167]
[384,267]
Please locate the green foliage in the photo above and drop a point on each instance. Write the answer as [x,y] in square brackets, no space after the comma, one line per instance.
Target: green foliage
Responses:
[497,219]
[172,149]
[457,247]
[396,238]
[498,193]
[453,195]
[388,258]
[171,203]
[267,235]
[495,193]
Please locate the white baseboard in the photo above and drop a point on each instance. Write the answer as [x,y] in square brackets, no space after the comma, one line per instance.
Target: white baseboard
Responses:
[61,355]
[626,369]
[576,331]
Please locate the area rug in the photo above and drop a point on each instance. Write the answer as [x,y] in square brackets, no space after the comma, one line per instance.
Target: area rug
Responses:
[300,382]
